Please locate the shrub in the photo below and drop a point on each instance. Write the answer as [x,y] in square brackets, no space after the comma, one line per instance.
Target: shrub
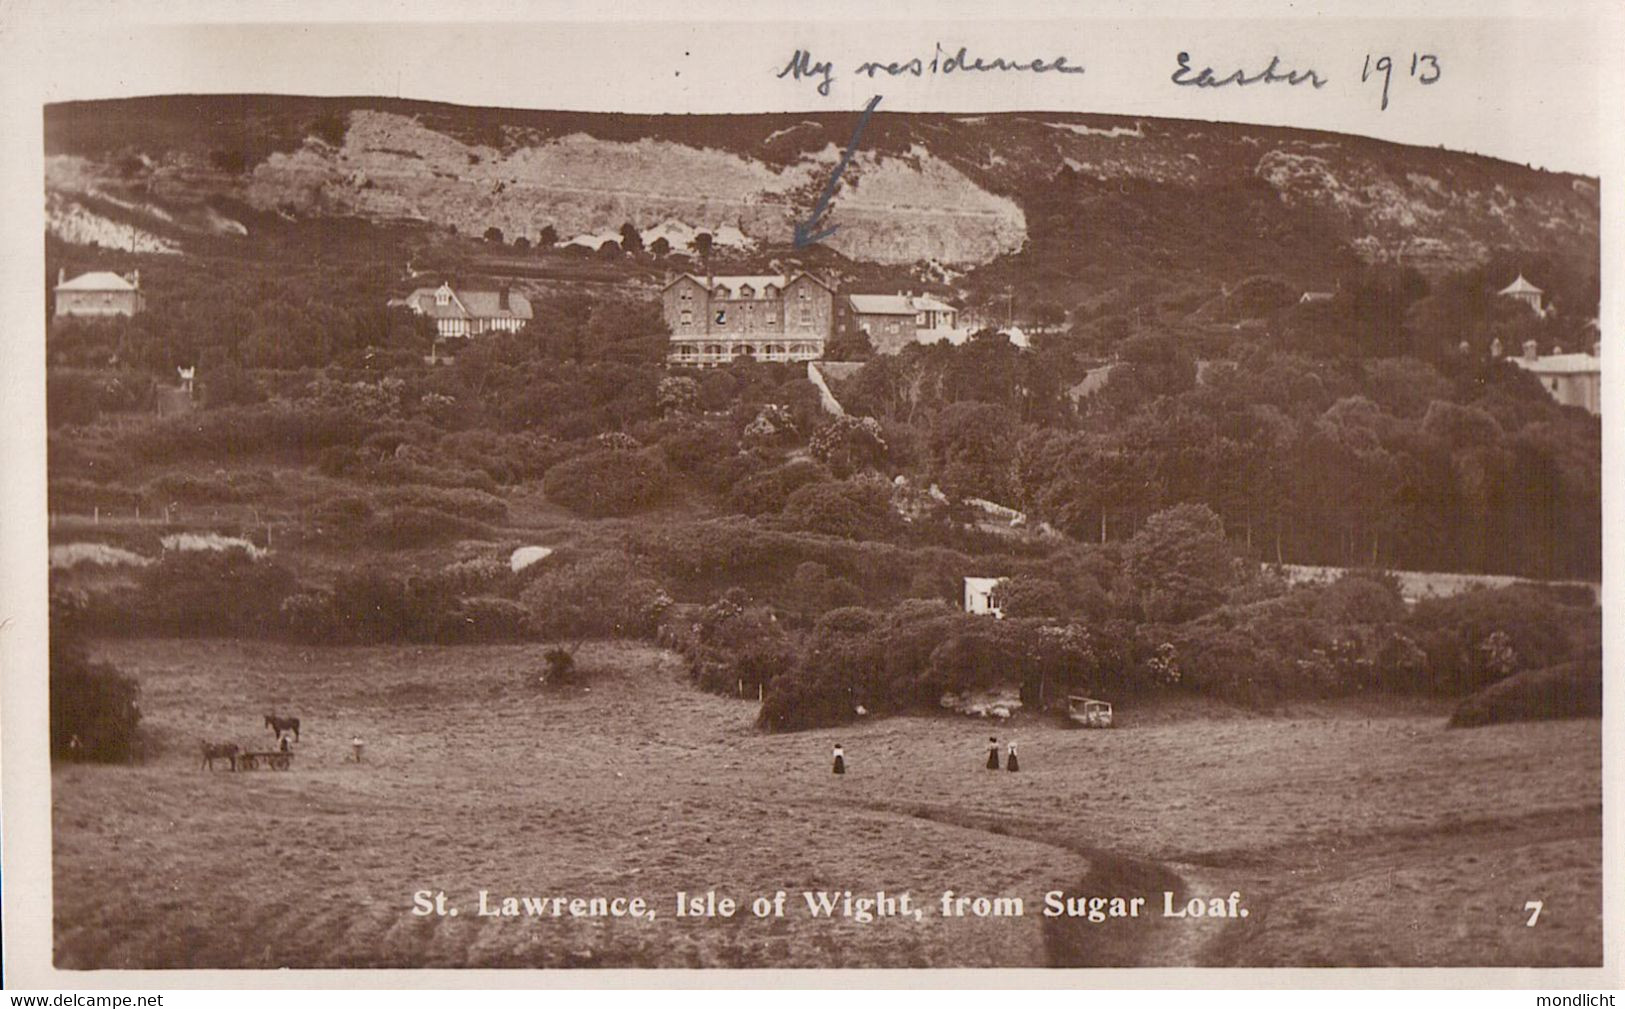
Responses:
[608,483]
[602,595]
[460,501]
[1570,690]
[1029,596]
[66,494]
[1481,636]
[405,528]
[196,593]
[94,710]
[561,665]
[767,493]
[852,509]
[483,618]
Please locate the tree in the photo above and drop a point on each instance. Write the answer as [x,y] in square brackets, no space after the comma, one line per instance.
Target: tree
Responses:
[1179,563]
[521,243]
[631,240]
[701,243]
[1028,596]
[853,346]
[548,238]
[611,249]
[493,234]
[660,246]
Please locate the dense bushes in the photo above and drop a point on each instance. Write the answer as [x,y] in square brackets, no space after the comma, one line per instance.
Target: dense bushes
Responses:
[603,595]
[1478,637]
[79,397]
[608,483]
[241,432]
[1570,690]
[199,593]
[854,509]
[94,710]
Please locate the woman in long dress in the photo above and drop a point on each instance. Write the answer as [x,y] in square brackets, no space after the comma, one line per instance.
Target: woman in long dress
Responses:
[992,753]
[1012,764]
[840,760]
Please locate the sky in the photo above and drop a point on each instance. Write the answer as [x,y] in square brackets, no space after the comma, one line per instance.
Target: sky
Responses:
[1511,83]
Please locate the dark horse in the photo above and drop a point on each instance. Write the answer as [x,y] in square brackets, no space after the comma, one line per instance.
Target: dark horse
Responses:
[220,751]
[280,725]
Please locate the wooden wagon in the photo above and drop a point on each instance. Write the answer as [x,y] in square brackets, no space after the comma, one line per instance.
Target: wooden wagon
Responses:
[276,760]
[1088,712]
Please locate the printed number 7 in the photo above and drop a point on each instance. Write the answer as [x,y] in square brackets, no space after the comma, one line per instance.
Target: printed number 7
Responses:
[1535,906]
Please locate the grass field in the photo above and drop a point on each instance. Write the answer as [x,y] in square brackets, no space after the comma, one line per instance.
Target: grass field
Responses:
[1356,835]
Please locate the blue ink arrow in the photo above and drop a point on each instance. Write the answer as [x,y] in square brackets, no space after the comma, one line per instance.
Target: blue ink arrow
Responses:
[808,232]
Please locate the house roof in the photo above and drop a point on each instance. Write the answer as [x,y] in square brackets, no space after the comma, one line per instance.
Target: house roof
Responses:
[926,303]
[881,304]
[470,304]
[1521,286]
[100,280]
[758,281]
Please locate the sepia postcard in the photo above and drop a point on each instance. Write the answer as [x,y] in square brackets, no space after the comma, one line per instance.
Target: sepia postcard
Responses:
[515,495]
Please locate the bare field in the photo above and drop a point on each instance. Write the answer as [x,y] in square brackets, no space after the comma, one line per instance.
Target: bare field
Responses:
[1356,835]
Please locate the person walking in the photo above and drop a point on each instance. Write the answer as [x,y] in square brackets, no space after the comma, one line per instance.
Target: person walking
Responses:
[1011,763]
[840,760]
[992,753]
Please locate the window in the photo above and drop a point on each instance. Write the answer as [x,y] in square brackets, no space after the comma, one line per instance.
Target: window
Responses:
[686,318]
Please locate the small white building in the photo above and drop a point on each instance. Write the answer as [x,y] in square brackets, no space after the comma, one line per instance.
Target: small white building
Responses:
[1522,290]
[1571,379]
[99,294]
[979,596]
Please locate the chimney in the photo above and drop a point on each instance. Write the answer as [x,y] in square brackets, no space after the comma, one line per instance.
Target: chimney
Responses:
[502,299]
[61,276]
[1495,348]
[1531,350]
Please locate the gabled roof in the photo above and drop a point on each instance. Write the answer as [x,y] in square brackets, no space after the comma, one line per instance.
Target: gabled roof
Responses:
[926,303]
[1521,286]
[881,304]
[470,304]
[101,280]
[758,281]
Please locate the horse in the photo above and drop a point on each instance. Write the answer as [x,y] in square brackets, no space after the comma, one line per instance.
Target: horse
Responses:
[280,725]
[220,751]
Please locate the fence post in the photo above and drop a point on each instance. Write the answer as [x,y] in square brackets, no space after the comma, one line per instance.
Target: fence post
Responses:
[97,515]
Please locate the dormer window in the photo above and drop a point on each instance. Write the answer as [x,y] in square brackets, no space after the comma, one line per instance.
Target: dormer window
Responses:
[770,292]
[720,292]
[747,291]
[443,295]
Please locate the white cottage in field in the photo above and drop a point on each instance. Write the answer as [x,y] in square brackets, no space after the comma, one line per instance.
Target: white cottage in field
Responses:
[979,596]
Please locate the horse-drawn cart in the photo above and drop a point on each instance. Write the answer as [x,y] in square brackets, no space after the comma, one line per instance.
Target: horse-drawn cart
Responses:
[276,760]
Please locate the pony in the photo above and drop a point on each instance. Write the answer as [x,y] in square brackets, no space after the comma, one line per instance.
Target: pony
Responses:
[280,725]
[220,751]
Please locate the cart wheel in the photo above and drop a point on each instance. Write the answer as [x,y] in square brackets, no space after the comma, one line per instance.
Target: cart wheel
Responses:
[249,763]
[280,763]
